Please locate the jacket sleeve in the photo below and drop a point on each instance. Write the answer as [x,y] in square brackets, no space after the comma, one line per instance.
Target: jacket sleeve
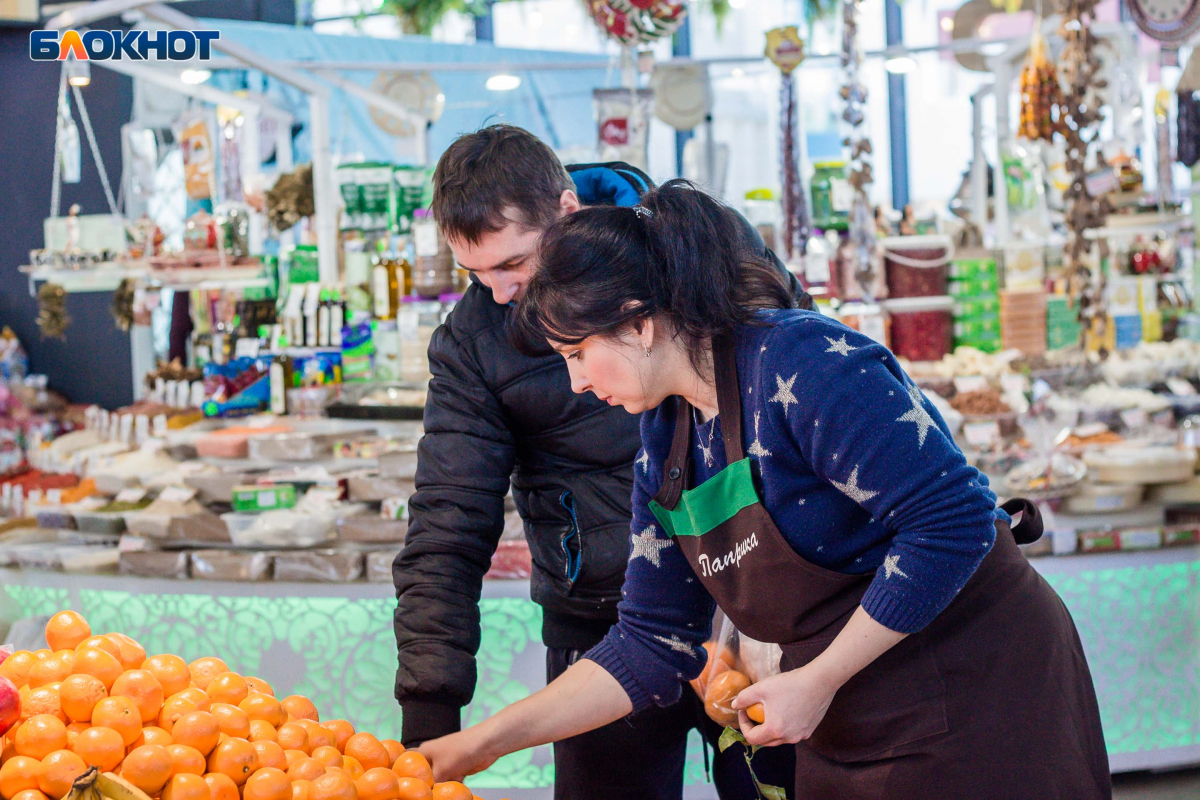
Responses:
[464,463]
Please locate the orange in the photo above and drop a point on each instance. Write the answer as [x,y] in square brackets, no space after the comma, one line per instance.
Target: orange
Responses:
[40,654]
[79,694]
[40,736]
[59,771]
[51,669]
[148,768]
[412,764]
[291,736]
[329,756]
[73,731]
[293,756]
[143,689]
[306,769]
[334,786]
[16,667]
[268,783]
[203,701]
[228,687]
[300,708]
[45,700]
[341,730]
[232,720]
[369,752]
[394,749]
[318,735]
[186,759]
[66,630]
[451,790]
[261,731]
[129,652]
[236,758]
[97,662]
[30,794]
[102,748]
[101,643]
[259,685]
[198,729]
[186,786]
[18,774]
[172,710]
[120,714]
[270,755]
[352,767]
[152,734]
[414,789]
[301,790]
[205,669]
[221,787]
[379,783]
[172,672]
[265,707]
[67,659]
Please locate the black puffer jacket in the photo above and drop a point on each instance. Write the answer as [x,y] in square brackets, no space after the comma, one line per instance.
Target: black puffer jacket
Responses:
[493,415]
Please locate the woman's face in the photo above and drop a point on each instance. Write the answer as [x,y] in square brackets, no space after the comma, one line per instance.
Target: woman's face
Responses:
[615,369]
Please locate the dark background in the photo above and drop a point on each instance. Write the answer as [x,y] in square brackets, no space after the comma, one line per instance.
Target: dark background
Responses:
[92,364]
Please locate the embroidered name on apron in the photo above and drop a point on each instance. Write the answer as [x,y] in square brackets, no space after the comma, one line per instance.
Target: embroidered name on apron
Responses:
[731,559]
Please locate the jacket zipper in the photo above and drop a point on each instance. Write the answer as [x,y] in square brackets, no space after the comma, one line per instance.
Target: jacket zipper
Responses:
[574,559]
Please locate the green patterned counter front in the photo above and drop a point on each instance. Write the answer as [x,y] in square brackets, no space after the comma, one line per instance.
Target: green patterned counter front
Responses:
[1138,616]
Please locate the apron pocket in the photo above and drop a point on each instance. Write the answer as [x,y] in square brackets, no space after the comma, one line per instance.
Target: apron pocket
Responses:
[889,709]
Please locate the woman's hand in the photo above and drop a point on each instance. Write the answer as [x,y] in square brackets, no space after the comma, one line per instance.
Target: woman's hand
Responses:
[794,704]
[458,755]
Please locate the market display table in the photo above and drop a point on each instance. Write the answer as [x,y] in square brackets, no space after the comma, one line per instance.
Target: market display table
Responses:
[1138,615]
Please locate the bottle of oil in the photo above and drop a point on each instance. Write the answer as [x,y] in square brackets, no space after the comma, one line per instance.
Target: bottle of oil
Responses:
[281,377]
[385,285]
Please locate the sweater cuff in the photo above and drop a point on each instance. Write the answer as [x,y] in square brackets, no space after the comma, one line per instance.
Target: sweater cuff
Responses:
[609,658]
[896,611]
[426,718]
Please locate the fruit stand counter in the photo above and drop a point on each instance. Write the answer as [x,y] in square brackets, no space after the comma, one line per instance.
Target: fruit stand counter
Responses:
[1138,615]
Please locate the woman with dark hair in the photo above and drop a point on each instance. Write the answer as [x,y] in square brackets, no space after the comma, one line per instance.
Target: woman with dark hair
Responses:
[793,474]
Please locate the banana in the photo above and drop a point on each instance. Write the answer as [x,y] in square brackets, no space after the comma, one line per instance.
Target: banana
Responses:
[84,786]
[114,787]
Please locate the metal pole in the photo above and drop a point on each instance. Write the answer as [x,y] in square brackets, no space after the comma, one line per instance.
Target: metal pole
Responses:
[979,177]
[324,191]
[897,111]
[681,45]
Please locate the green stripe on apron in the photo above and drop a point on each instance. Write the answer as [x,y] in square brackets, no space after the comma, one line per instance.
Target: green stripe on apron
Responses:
[711,503]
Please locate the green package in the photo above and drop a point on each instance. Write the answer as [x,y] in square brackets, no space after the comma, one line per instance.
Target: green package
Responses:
[264,498]
[375,191]
[346,176]
[408,194]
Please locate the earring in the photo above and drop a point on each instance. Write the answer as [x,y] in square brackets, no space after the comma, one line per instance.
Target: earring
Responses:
[647,352]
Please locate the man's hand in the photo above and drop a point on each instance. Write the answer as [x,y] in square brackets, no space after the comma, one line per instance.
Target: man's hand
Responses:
[458,755]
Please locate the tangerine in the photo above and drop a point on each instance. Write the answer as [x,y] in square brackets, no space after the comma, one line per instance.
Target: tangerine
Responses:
[236,758]
[16,667]
[73,731]
[263,706]
[294,756]
[120,714]
[173,709]
[231,719]
[378,783]
[306,769]
[186,786]
[412,764]
[268,783]
[451,790]
[59,771]
[51,669]
[318,735]
[334,786]
[301,790]
[205,669]
[99,663]
[270,755]
[102,748]
[131,654]
[221,787]
[341,730]
[198,696]
[18,774]
[300,708]
[79,694]
[329,756]
[67,658]
[413,789]
[152,734]
[66,630]
[172,672]
[261,731]
[186,759]
[143,689]
[148,767]
[228,687]
[99,642]
[10,749]
[45,700]
[368,750]
[43,653]
[259,685]
[291,736]
[353,767]
[31,794]
[394,749]
[197,729]
[40,736]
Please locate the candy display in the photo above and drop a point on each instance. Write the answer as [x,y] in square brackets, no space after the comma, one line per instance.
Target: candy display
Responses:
[1041,94]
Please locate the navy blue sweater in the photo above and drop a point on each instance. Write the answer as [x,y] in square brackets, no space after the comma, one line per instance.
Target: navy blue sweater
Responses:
[858,471]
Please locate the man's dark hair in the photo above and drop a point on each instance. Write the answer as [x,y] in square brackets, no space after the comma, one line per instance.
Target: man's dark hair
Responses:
[495,176]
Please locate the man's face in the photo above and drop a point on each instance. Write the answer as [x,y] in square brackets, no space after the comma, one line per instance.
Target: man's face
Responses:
[503,261]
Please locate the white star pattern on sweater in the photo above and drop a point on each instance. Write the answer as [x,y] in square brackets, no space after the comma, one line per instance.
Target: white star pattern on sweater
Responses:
[852,490]
[890,567]
[677,644]
[707,449]
[646,545]
[918,415]
[839,345]
[784,395]
[644,460]
[756,449]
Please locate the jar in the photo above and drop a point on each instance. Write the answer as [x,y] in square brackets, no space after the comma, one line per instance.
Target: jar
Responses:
[831,196]
[417,321]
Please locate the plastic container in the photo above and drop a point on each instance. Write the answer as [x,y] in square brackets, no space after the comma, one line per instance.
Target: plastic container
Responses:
[155,563]
[1100,498]
[229,565]
[372,529]
[922,335]
[1146,465]
[320,566]
[917,266]
[279,529]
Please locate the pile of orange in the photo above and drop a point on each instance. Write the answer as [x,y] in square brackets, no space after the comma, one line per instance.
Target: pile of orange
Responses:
[181,731]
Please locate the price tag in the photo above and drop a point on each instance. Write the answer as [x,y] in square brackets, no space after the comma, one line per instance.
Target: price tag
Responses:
[970,383]
[177,494]
[1109,503]
[982,434]
[1181,388]
[1134,418]
[267,498]
[132,495]
[160,426]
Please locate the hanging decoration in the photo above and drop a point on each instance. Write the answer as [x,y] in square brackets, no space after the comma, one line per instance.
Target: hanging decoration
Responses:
[1041,94]
[198,167]
[1087,203]
[52,317]
[861,249]
[635,22]
[291,198]
[786,51]
[122,303]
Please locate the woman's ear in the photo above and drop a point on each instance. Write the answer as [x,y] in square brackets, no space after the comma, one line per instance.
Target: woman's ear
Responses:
[643,329]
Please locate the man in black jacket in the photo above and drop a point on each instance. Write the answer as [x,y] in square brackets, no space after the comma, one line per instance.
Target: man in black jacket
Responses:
[493,416]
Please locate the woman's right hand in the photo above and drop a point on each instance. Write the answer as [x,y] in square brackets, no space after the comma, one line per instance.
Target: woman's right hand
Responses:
[458,755]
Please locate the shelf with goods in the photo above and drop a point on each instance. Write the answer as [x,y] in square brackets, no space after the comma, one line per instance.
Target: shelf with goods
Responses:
[107,277]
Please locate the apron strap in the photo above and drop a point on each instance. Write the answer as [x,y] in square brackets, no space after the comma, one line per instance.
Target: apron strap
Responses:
[1029,529]
[675,470]
[729,397]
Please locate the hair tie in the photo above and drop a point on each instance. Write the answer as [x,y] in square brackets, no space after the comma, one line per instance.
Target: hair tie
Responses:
[642,211]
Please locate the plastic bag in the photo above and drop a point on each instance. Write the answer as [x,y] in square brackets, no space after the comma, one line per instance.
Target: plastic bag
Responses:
[735,662]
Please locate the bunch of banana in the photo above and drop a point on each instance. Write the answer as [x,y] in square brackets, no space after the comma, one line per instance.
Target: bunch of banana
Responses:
[97,785]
